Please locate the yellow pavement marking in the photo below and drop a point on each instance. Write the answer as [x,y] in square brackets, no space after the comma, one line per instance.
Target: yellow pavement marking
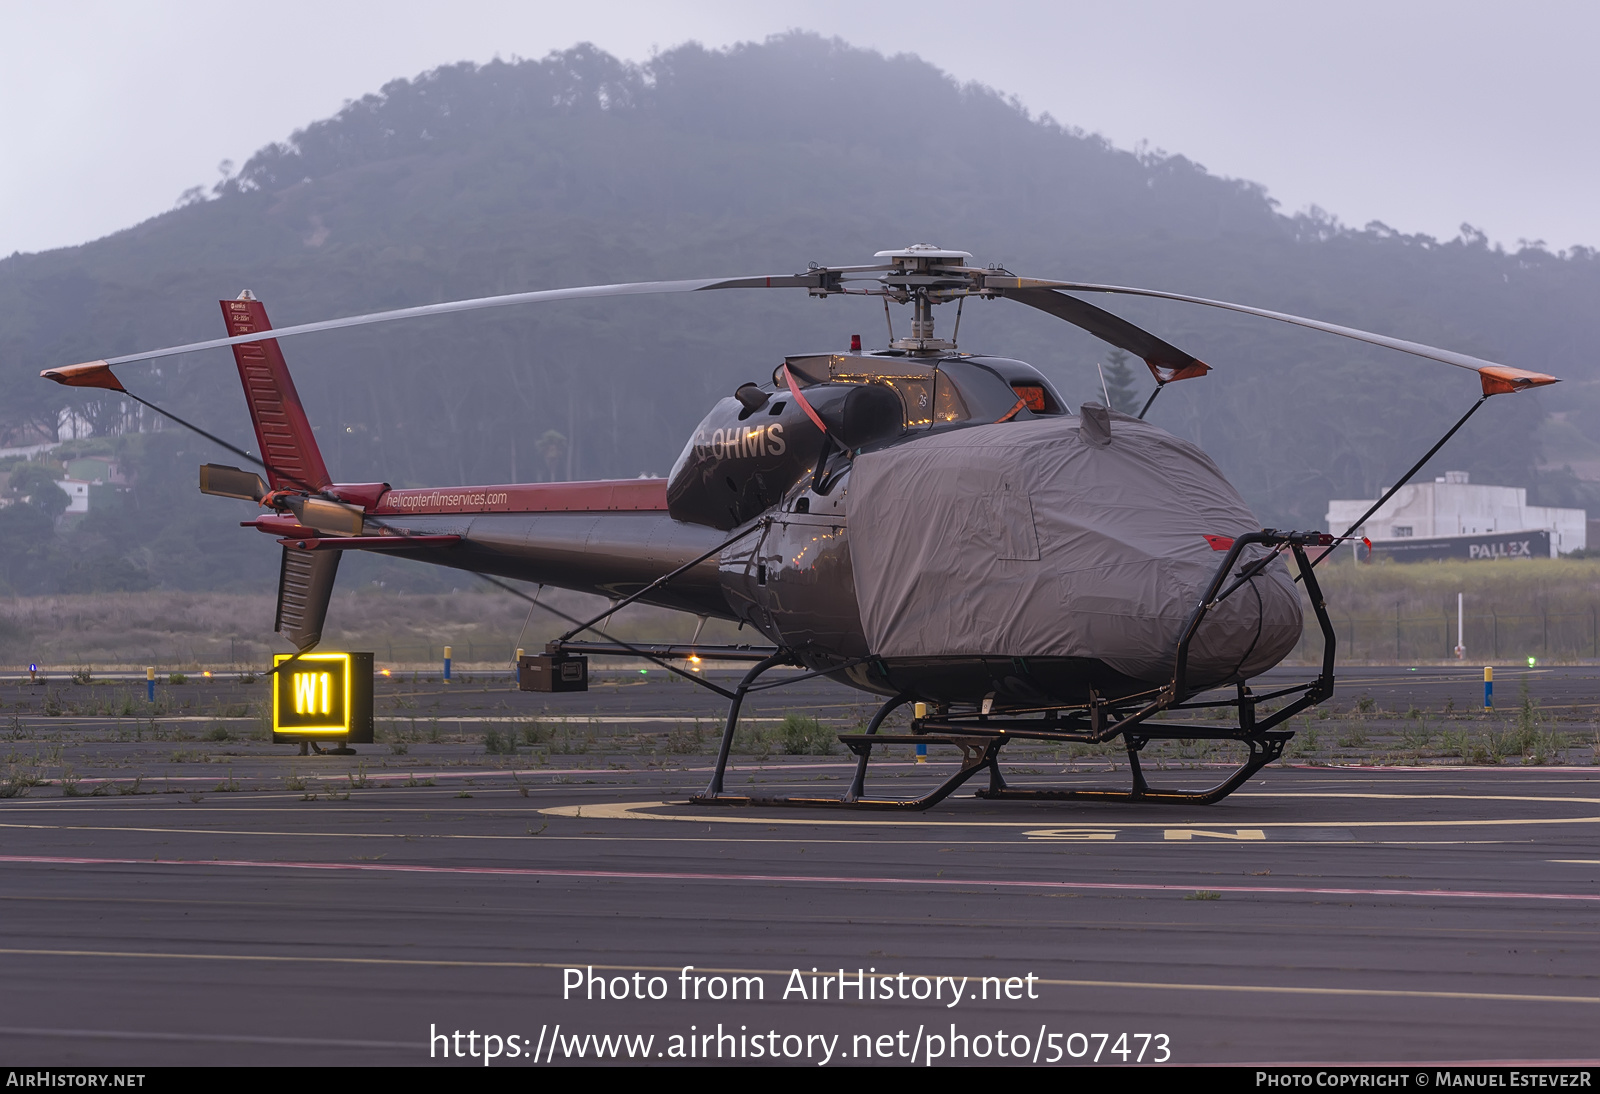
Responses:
[1265,989]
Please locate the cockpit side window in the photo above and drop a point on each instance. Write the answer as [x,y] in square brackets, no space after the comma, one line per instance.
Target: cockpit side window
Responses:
[1033,396]
[948,406]
[986,396]
[930,400]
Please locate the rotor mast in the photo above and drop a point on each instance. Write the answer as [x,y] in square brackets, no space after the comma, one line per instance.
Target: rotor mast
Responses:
[924,275]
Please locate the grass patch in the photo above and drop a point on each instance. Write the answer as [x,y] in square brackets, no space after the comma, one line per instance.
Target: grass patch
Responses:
[756,741]
[17,783]
[802,735]
[685,740]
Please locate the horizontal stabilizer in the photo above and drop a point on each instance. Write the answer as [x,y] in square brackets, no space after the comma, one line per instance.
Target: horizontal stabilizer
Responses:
[372,543]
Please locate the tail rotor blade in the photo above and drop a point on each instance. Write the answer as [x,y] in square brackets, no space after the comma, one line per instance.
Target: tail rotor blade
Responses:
[231,482]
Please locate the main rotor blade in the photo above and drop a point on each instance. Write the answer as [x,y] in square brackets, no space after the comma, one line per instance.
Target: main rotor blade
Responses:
[1166,361]
[1496,378]
[77,374]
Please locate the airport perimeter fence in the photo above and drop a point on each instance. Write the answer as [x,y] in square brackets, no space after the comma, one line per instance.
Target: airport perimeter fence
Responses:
[1398,637]
[241,653]
[1569,636]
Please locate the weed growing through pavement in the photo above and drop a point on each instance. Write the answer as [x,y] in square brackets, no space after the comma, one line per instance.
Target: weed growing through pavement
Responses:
[803,735]
[685,740]
[18,782]
[756,741]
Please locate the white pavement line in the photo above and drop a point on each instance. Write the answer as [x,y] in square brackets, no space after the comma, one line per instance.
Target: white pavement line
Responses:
[1136,985]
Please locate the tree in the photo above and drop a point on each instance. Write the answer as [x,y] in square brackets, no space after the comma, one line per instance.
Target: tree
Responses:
[1120,383]
[34,484]
[553,447]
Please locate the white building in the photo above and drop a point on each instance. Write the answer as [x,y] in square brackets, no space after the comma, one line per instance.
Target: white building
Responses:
[77,492]
[1452,506]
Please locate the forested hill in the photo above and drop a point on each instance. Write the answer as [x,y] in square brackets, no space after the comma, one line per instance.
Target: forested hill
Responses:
[578,168]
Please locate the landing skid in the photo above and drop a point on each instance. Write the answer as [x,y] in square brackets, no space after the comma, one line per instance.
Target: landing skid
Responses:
[1263,750]
[981,735]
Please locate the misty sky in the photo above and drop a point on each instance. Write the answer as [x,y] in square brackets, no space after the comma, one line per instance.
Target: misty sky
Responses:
[1418,113]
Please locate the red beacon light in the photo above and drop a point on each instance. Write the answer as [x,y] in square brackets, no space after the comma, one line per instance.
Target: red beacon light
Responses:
[855,343]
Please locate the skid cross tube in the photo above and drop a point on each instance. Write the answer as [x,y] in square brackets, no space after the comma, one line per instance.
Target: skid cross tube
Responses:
[858,784]
[714,791]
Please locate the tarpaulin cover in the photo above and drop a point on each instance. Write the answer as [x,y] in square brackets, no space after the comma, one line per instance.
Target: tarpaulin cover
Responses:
[1036,539]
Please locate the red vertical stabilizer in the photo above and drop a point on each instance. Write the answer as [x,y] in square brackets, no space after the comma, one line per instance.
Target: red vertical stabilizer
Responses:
[287,446]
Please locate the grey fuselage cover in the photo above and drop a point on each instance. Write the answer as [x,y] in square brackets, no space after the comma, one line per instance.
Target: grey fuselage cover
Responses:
[1038,539]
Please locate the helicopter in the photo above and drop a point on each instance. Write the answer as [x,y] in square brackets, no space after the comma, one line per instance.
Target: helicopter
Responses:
[919,522]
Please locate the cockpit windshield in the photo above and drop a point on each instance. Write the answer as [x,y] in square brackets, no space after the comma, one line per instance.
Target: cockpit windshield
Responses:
[935,392]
